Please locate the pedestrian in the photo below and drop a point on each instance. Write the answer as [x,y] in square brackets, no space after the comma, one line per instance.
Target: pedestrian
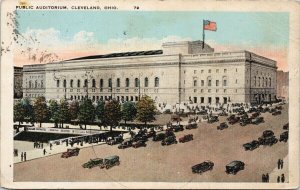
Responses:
[25,157]
[279,163]
[263,178]
[282,178]
[67,142]
[33,144]
[42,145]
[267,177]
[44,152]
[22,157]
[50,146]
[278,179]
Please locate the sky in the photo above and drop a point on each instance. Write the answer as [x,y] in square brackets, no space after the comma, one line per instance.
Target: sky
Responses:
[70,34]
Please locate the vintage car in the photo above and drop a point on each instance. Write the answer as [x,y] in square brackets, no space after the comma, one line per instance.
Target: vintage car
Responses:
[191,126]
[267,133]
[93,163]
[254,115]
[169,140]
[264,110]
[278,107]
[115,140]
[277,112]
[151,133]
[110,161]
[203,167]
[222,126]
[286,127]
[267,138]
[234,166]
[159,137]
[125,144]
[139,137]
[257,120]
[234,120]
[284,136]
[213,119]
[223,113]
[230,117]
[186,138]
[251,145]
[245,121]
[139,144]
[177,128]
[70,152]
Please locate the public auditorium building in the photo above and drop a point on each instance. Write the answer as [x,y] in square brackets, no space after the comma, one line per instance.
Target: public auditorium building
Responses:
[179,72]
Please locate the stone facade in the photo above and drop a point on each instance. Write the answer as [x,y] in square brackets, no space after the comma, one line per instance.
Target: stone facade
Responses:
[18,80]
[180,72]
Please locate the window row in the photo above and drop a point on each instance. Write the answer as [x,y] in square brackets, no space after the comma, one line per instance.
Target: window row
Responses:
[262,81]
[109,83]
[35,84]
[209,82]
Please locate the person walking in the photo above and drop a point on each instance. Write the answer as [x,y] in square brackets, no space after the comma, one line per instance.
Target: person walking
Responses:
[263,178]
[279,163]
[25,156]
[282,178]
[50,146]
[267,178]
[22,157]
[42,145]
[278,179]
[44,151]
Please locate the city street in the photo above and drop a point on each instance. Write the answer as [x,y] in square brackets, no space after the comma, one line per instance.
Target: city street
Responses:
[157,163]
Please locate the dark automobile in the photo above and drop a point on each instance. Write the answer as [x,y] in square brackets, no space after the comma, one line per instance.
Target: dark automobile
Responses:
[276,112]
[203,167]
[284,136]
[159,137]
[151,133]
[169,140]
[93,163]
[257,120]
[115,140]
[286,127]
[267,133]
[125,144]
[213,119]
[242,112]
[270,140]
[139,137]
[223,114]
[186,138]
[234,166]
[264,110]
[177,128]
[110,161]
[245,121]
[278,107]
[230,117]
[139,144]
[191,126]
[222,126]
[251,145]
[234,120]
[254,115]
[70,152]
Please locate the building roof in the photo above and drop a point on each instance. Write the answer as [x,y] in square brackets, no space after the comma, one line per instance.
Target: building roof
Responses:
[125,54]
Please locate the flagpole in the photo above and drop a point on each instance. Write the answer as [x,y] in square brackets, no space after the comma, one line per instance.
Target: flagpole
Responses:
[203,35]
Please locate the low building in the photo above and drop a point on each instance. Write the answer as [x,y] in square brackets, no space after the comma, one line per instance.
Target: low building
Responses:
[179,72]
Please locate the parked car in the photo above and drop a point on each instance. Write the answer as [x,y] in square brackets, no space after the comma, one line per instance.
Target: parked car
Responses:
[139,137]
[115,140]
[267,138]
[139,144]
[234,120]
[257,120]
[278,107]
[159,137]
[267,133]
[151,133]
[213,119]
[125,144]
[254,115]
[251,145]
[284,136]
[203,167]
[169,140]
[286,127]
[93,163]
[70,152]
[222,126]
[191,126]
[186,138]
[264,110]
[110,161]
[223,114]
[276,113]
[245,121]
[177,128]
[234,167]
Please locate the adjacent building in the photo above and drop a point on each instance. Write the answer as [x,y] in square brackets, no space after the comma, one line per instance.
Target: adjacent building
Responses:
[283,85]
[18,81]
[179,72]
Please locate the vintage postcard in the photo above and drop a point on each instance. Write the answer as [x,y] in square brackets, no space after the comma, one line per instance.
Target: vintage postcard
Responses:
[154,94]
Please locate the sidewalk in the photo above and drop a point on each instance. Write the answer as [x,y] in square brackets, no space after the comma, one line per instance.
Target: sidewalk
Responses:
[277,172]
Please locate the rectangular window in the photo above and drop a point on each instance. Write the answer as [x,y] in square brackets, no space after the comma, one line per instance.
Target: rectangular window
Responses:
[225,70]
[202,82]
[235,81]
[217,90]
[202,100]
[195,82]
[224,90]
[217,82]
[209,82]
[209,70]
[224,82]
[202,71]
[201,90]
[209,90]
[236,70]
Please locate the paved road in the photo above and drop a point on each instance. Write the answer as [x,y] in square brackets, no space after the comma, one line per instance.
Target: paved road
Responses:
[171,163]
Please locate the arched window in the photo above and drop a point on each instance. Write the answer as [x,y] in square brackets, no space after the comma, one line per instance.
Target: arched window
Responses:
[136,82]
[30,84]
[93,83]
[255,81]
[208,81]
[127,82]
[263,82]
[118,82]
[195,82]
[78,83]
[71,83]
[57,83]
[42,84]
[101,83]
[156,82]
[224,79]
[146,82]
[35,84]
[258,81]
[109,83]
[266,82]
[65,83]
[270,82]
[85,83]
